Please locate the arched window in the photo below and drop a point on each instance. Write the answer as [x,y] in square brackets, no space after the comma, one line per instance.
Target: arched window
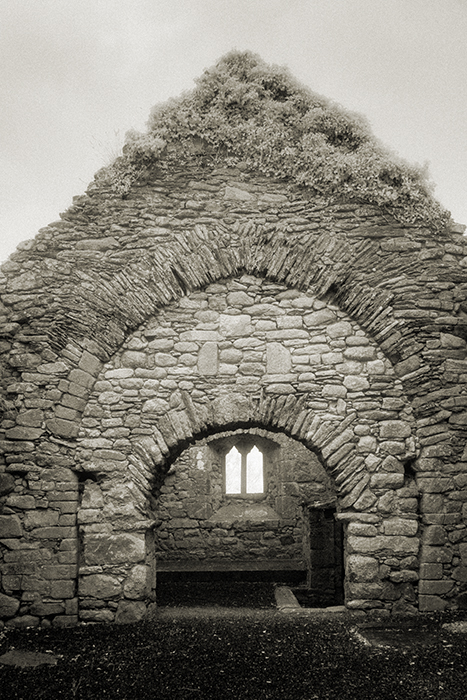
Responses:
[244,470]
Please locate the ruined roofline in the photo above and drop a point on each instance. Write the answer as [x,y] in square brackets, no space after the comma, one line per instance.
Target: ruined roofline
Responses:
[258,116]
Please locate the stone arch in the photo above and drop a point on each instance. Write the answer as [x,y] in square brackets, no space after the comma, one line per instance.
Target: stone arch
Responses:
[224,358]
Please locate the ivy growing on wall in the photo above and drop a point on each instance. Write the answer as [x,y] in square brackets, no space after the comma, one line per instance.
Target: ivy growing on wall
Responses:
[257,115]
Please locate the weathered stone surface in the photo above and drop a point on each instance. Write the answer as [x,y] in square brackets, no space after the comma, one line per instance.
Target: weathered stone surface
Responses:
[278,359]
[397,544]
[360,353]
[113,549]
[45,609]
[8,606]
[99,615]
[23,433]
[360,568]
[431,603]
[92,497]
[395,429]
[400,526]
[7,484]
[237,193]
[434,535]
[387,480]
[130,611]
[23,502]
[208,359]
[356,383]
[435,587]
[40,518]
[235,325]
[63,428]
[136,584]
[10,526]
[320,318]
[403,576]
[23,622]
[100,586]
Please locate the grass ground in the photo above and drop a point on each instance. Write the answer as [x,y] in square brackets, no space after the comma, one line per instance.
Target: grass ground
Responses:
[214,652]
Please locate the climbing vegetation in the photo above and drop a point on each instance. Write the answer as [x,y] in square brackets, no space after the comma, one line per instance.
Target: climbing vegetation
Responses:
[250,113]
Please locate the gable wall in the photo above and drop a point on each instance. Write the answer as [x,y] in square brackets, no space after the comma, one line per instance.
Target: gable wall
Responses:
[71,298]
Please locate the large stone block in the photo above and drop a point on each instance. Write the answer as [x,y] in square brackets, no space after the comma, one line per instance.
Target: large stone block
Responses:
[435,555]
[8,606]
[23,502]
[362,353]
[434,535]
[362,591]
[460,574]
[235,326]
[360,568]
[387,480]
[362,529]
[136,584]
[130,611]
[278,359]
[23,433]
[397,544]
[7,484]
[432,503]
[208,359]
[100,586]
[435,587]
[339,330]
[407,366]
[41,518]
[44,609]
[89,363]
[10,526]
[435,484]
[431,571]
[400,526]
[62,589]
[63,428]
[463,552]
[356,383]
[431,603]
[323,317]
[395,429]
[99,615]
[59,571]
[114,549]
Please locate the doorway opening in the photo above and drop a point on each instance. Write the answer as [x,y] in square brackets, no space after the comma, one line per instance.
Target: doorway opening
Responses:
[230,516]
[325,560]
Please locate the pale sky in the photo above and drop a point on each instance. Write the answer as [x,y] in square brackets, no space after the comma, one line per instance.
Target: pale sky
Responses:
[75,75]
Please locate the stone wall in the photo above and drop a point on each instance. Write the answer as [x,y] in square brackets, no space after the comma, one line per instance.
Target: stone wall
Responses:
[121,344]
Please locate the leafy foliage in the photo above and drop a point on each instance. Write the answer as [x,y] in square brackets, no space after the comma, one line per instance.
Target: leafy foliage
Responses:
[258,115]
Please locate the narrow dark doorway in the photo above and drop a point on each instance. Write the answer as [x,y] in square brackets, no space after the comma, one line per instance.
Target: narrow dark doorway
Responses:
[325,562]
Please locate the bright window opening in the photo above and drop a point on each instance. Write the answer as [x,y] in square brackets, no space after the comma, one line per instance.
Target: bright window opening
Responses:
[233,471]
[244,471]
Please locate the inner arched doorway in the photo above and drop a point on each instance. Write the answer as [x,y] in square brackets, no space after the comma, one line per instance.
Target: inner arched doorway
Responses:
[246,354]
[250,505]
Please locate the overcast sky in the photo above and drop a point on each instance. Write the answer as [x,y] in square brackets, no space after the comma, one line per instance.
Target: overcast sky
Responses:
[75,75]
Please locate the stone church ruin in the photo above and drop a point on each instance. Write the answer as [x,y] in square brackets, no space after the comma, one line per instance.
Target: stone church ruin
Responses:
[243,349]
